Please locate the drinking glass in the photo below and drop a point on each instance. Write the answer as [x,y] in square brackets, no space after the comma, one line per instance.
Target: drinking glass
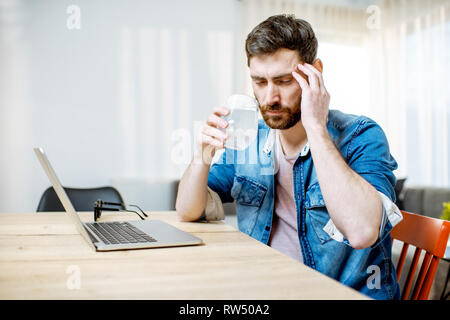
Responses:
[242,121]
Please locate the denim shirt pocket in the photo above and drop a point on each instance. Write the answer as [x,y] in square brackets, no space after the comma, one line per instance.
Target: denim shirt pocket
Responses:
[316,212]
[249,196]
[248,192]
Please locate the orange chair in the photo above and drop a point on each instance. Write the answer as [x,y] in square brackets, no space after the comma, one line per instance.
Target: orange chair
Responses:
[425,233]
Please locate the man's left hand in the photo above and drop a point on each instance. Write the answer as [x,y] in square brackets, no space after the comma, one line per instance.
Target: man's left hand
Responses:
[315,98]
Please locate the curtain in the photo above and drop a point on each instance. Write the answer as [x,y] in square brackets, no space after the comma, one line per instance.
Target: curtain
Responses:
[409,64]
[15,115]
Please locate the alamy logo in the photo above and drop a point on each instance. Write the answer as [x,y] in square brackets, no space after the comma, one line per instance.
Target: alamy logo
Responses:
[74,280]
[374,19]
[374,281]
[74,18]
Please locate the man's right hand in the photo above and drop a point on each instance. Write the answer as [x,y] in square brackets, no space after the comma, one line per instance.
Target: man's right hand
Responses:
[211,138]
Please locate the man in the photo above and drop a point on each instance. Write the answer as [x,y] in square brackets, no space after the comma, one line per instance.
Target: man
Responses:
[322,188]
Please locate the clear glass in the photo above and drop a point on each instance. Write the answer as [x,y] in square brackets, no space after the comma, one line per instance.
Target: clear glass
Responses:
[242,121]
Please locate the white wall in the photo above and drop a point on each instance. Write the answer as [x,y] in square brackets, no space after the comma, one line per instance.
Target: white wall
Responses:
[107,102]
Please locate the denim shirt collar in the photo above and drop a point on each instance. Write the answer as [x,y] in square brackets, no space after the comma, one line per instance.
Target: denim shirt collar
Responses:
[270,142]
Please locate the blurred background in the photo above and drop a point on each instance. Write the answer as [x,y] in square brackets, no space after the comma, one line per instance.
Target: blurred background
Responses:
[114,90]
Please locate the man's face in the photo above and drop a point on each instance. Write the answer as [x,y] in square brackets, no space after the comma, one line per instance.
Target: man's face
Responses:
[278,93]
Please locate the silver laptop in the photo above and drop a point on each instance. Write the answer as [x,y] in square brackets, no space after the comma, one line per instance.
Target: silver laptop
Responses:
[107,236]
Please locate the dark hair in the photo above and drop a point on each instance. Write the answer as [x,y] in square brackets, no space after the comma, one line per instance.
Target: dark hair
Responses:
[282,31]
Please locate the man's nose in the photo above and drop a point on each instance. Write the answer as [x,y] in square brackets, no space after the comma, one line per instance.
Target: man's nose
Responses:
[272,95]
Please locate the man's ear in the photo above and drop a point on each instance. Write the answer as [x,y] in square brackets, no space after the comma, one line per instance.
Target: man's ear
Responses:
[318,65]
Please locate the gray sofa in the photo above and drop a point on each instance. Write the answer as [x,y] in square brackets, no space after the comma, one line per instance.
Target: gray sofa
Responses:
[426,201]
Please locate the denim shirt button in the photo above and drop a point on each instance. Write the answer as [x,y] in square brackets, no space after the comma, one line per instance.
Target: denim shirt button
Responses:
[267,228]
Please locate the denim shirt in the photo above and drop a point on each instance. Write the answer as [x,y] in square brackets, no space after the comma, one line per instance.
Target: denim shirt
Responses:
[247,177]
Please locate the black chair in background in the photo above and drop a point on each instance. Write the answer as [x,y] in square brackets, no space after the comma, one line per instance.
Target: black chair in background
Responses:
[82,199]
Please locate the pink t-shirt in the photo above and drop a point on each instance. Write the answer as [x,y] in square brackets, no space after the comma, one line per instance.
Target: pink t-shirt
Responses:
[284,235]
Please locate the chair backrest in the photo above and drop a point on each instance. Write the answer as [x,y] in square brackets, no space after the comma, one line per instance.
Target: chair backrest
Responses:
[424,233]
[82,199]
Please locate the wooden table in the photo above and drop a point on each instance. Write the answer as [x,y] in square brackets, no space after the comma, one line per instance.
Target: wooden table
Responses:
[41,253]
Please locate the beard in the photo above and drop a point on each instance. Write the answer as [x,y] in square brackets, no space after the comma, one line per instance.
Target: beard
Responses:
[286,119]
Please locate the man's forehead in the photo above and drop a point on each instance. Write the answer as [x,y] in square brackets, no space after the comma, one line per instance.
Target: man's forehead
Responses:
[279,63]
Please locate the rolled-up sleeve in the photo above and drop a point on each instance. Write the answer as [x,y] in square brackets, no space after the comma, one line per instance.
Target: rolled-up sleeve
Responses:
[391,216]
[214,208]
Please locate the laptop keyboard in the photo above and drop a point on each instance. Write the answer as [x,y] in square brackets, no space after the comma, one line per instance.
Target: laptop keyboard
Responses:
[119,232]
